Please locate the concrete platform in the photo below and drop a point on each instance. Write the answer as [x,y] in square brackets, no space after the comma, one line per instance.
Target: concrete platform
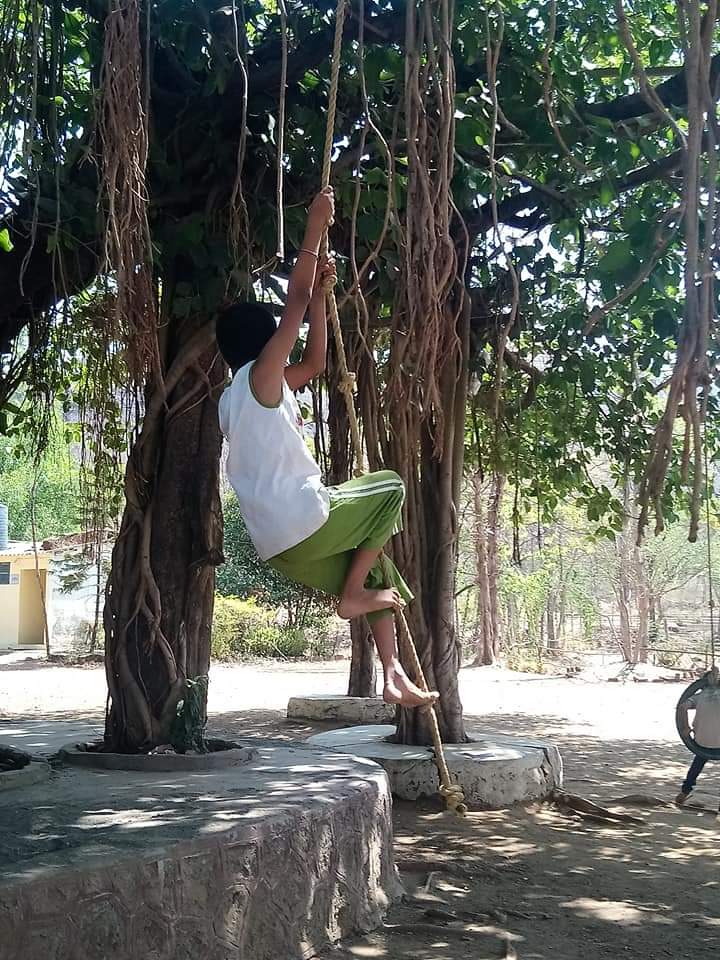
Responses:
[222,754]
[45,737]
[35,772]
[360,710]
[494,772]
[269,861]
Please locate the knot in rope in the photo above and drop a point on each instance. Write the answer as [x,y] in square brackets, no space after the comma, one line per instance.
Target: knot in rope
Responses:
[347,384]
[454,798]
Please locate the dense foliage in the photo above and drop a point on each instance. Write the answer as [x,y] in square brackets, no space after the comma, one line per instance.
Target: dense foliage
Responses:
[577,206]
[47,486]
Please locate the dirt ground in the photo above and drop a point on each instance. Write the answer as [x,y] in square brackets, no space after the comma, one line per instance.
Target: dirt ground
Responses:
[532,883]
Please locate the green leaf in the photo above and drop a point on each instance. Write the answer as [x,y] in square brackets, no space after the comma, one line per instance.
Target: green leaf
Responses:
[616,258]
[607,193]
[664,323]
[6,243]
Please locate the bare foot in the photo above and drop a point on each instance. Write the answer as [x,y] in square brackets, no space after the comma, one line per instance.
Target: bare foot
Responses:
[368,601]
[399,689]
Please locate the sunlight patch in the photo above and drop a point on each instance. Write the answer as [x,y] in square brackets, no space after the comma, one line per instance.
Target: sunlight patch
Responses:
[612,911]
[367,951]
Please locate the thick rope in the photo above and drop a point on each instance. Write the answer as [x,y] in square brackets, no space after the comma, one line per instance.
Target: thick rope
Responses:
[347,380]
[280,254]
[451,791]
[708,532]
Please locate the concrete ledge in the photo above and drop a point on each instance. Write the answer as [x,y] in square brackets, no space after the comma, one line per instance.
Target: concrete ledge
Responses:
[269,861]
[494,772]
[221,755]
[35,772]
[359,710]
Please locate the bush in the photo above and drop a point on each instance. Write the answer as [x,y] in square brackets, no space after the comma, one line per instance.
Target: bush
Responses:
[243,628]
[245,575]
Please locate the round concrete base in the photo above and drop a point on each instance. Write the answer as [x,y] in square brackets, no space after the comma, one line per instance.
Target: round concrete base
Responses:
[269,861]
[341,709]
[35,772]
[221,755]
[494,772]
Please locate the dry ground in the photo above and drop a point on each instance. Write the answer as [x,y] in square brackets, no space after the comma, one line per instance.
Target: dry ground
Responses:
[531,883]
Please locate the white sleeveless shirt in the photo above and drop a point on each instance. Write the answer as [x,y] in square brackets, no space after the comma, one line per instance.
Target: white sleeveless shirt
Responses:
[706,725]
[274,476]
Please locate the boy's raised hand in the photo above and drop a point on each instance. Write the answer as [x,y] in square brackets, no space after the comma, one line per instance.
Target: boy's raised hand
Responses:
[322,208]
[268,372]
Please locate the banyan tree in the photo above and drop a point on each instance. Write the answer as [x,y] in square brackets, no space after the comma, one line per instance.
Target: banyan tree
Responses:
[526,201]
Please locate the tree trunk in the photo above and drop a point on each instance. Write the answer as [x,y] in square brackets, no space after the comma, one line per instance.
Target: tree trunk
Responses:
[626,643]
[426,550]
[486,547]
[159,599]
[363,672]
[623,588]
[553,645]
[643,605]
[484,627]
[494,515]
[512,621]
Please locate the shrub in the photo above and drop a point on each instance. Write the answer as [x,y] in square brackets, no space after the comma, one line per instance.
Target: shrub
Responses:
[244,628]
[245,575]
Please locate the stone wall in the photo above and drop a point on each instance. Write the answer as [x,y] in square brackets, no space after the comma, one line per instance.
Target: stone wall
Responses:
[280,886]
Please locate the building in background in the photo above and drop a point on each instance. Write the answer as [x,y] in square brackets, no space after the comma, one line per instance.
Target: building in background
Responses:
[25,595]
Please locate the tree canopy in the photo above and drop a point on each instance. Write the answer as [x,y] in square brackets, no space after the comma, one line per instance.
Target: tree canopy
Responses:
[573,191]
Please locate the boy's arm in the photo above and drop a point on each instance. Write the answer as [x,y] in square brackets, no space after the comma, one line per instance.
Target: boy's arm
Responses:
[269,368]
[683,717]
[314,354]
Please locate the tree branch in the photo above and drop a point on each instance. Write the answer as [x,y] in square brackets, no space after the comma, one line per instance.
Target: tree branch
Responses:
[534,208]
[43,280]
[671,93]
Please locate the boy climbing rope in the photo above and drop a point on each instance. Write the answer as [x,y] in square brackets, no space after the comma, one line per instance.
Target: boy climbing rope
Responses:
[328,538]
[705,729]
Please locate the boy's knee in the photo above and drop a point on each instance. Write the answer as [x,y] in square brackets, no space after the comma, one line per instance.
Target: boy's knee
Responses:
[395,483]
[384,476]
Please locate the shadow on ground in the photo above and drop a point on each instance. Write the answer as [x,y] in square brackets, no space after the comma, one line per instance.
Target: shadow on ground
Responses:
[540,883]
[535,881]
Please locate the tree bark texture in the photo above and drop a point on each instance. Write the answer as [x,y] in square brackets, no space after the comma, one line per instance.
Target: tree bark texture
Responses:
[487,519]
[159,598]
[363,671]
[426,550]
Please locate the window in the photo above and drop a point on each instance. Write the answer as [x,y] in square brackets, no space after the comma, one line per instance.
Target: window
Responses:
[4,574]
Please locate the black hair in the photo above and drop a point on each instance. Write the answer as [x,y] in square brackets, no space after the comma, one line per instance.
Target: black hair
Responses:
[242,331]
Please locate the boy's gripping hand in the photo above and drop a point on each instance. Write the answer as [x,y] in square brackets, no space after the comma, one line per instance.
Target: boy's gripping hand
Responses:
[323,208]
[268,370]
[326,276]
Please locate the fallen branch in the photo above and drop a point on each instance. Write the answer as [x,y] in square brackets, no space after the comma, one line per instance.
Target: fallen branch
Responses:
[570,803]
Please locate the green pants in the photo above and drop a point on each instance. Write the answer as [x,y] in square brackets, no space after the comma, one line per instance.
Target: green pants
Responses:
[364,512]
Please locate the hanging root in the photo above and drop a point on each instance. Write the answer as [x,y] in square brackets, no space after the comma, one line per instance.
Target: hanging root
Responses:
[280,136]
[427,318]
[494,48]
[123,129]
[690,381]
[239,227]
[548,88]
